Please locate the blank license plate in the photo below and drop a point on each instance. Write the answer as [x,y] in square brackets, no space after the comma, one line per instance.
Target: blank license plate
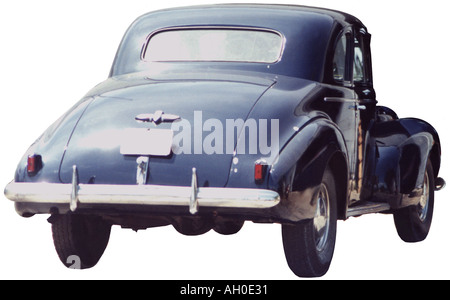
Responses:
[143,141]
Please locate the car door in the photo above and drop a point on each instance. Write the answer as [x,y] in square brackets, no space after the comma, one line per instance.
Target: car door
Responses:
[352,99]
[364,110]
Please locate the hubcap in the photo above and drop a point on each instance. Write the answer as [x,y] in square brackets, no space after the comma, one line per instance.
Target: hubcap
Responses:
[423,203]
[322,218]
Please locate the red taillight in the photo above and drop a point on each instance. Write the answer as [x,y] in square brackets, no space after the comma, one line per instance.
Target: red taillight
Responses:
[260,170]
[34,164]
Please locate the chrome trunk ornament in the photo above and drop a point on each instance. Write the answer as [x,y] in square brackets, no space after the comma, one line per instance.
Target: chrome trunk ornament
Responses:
[157,117]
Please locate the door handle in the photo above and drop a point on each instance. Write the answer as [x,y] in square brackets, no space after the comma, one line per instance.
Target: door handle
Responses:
[354,105]
[339,99]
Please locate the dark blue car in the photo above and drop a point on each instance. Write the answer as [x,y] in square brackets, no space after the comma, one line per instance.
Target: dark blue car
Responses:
[217,115]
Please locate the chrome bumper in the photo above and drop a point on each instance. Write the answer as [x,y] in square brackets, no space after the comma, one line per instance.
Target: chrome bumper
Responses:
[157,195]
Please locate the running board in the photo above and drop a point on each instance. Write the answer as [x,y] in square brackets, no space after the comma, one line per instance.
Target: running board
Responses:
[368,208]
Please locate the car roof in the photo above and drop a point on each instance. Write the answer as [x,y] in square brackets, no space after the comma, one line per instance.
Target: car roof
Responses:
[308,32]
[238,8]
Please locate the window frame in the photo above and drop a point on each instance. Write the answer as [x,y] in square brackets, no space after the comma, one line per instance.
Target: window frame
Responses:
[244,28]
[348,64]
[363,38]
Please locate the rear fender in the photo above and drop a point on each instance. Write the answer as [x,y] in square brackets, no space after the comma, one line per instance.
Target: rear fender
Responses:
[51,146]
[298,170]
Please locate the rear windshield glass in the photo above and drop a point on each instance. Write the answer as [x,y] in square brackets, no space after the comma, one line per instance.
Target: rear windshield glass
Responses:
[224,45]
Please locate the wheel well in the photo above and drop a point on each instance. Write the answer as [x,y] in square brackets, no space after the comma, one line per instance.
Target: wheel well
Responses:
[409,165]
[338,166]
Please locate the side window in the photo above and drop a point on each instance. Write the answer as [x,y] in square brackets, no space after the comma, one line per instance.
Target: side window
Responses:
[358,62]
[339,59]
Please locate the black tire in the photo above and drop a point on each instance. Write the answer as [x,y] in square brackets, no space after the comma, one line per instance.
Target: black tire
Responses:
[192,226]
[80,240]
[308,248]
[413,222]
[228,227]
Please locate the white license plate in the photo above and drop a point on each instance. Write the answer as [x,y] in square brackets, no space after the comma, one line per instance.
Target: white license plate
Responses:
[144,141]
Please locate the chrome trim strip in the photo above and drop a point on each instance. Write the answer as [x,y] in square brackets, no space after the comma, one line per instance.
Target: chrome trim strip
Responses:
[339,99]
[74,194]
[60,193]
[215,27]
[367,209]
[193,203]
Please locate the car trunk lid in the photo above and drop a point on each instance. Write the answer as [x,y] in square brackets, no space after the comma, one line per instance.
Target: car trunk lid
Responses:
[203,108]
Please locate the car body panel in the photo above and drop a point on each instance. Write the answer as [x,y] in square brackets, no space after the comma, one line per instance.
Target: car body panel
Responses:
[51,146]
[96,139]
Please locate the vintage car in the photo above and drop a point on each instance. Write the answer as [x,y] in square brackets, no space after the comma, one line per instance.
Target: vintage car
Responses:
[217,115]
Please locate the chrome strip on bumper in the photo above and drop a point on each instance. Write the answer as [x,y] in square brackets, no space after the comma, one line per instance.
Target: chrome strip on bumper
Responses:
[192,197]
[140,195]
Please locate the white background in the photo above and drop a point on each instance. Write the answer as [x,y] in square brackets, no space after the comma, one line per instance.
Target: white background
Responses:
[53,52]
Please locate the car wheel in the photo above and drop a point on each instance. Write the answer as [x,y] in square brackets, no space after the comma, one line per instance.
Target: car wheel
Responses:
[413,222]
[309,245]
[80,240]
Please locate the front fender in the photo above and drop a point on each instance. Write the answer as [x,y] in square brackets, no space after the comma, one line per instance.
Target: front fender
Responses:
[407,144]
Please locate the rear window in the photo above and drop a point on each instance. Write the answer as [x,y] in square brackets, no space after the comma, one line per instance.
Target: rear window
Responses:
[214,44]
